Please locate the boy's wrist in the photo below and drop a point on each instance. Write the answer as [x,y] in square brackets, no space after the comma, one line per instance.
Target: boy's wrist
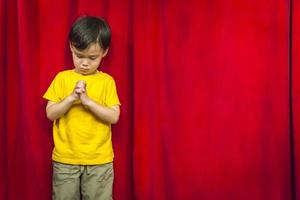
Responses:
[71,98]
[87,103]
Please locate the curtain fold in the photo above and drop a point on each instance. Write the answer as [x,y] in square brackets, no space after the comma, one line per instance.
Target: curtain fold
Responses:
[295,98]
[204,87]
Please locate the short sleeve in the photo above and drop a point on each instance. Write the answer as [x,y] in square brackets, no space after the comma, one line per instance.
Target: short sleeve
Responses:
[112,95]
[54,92]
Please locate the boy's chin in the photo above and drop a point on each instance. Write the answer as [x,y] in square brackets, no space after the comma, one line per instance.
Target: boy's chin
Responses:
[85,72]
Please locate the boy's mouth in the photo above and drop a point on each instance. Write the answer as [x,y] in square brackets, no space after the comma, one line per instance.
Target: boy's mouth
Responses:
[83,70]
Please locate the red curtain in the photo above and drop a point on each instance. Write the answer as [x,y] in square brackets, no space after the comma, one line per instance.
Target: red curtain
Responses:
[209,92]
[295,93]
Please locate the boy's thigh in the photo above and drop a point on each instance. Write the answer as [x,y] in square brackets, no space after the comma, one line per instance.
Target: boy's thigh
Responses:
[97,182]
[66,181]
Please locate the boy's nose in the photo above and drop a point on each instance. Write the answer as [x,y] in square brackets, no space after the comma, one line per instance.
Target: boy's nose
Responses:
[85,63]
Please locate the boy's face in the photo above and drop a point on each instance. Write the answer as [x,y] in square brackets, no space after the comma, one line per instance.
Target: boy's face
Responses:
[87,61]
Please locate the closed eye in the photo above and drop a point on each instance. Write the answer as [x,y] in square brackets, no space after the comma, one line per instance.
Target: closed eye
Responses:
[93,58]
[79,56]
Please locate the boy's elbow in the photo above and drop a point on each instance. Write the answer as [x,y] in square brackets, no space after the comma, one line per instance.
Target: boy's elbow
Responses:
[115,119]
[50,116]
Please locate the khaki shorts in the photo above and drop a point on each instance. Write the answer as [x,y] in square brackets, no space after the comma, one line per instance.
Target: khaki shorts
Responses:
[91,182]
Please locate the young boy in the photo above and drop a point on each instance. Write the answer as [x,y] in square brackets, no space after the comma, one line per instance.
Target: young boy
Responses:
[83,103]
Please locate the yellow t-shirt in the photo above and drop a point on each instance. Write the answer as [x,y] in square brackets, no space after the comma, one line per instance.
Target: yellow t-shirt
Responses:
[79,136]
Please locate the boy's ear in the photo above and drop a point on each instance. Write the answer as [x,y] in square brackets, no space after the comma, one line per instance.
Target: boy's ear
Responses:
[105,52]
[71,46]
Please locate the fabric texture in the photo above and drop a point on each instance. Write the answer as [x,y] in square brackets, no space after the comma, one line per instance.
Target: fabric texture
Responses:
[92,182]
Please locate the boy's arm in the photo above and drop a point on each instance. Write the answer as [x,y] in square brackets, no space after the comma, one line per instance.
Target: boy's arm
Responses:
[55,110]
[106,114]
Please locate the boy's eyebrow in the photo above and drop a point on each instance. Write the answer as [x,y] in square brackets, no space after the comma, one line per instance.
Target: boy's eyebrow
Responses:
[91,55]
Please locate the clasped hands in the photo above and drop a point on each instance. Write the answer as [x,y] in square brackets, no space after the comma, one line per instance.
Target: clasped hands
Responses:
[80,93]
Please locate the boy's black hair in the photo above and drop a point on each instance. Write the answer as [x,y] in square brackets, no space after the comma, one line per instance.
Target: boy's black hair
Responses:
[87,30]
